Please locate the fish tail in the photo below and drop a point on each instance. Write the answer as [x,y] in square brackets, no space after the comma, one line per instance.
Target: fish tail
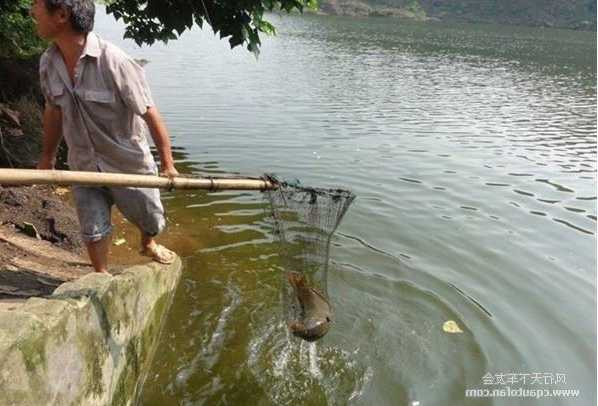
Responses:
[296,279]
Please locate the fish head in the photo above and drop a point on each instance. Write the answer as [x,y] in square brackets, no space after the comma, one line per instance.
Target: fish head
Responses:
[311,329]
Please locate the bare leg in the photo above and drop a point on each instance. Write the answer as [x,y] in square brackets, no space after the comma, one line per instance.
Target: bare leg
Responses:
[147,241]
[98,254]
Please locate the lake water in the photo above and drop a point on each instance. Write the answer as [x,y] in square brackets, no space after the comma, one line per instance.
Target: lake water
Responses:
[472,151]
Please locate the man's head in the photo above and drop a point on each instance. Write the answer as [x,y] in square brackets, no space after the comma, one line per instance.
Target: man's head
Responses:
[54,17]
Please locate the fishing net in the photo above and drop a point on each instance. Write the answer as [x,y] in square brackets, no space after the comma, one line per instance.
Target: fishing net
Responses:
[304,220]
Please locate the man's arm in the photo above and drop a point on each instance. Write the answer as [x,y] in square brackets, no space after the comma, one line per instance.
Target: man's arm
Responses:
[51,135]
[162,140]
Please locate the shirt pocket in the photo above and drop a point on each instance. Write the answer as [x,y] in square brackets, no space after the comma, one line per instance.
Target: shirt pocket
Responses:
[99,96]
[57,94]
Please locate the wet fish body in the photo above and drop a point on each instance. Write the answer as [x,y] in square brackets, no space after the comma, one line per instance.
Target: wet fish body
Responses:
[315,308]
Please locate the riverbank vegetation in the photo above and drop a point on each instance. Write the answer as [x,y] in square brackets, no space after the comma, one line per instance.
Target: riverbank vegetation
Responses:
[573,14]
[17,31]
[20,96]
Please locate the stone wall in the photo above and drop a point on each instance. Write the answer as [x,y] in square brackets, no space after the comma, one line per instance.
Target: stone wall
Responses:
[87,344]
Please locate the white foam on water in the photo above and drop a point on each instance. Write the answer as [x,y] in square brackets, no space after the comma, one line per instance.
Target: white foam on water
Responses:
[212,349]
[293,371]
[314,369]
[361,384]
[282,360]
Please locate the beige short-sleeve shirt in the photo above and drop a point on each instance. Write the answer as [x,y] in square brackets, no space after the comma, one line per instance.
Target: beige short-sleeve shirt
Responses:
[101,110]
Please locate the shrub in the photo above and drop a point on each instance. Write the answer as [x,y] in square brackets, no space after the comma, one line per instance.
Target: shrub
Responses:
[17,30]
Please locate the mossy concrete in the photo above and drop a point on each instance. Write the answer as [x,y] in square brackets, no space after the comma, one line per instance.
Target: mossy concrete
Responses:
[89,343]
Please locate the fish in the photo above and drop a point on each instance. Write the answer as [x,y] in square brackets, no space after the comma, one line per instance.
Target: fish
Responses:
[316,312]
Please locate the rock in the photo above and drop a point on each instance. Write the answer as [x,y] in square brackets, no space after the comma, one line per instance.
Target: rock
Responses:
[90,343]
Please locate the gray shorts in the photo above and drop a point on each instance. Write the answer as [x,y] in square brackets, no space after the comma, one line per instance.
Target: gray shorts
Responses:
[141,206]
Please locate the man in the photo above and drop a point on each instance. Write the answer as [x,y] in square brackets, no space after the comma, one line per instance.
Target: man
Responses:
[98,99]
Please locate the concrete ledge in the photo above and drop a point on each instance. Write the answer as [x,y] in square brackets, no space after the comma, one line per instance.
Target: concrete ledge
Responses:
[89,343]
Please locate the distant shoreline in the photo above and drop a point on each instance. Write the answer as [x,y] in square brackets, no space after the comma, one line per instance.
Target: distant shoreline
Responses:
[356,8]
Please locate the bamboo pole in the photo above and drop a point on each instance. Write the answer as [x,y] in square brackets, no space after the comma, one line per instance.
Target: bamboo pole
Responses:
[54,177]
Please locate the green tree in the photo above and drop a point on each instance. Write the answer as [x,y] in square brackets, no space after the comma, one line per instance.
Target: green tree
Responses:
[241,21]
[17,32]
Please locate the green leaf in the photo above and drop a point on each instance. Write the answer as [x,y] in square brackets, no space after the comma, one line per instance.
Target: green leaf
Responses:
[239,21]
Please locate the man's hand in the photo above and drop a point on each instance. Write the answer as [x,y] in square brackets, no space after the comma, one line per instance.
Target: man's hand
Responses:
[169,172]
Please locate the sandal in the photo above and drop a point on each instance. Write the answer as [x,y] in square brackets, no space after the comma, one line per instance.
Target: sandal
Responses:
[159,253]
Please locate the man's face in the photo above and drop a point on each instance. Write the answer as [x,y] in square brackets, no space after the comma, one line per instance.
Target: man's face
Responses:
[48,24]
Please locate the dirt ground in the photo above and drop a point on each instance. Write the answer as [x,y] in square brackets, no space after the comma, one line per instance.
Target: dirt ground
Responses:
[40,246]
[47,209]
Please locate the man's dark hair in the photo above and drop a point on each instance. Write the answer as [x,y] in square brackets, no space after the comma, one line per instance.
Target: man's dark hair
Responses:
[82,12]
